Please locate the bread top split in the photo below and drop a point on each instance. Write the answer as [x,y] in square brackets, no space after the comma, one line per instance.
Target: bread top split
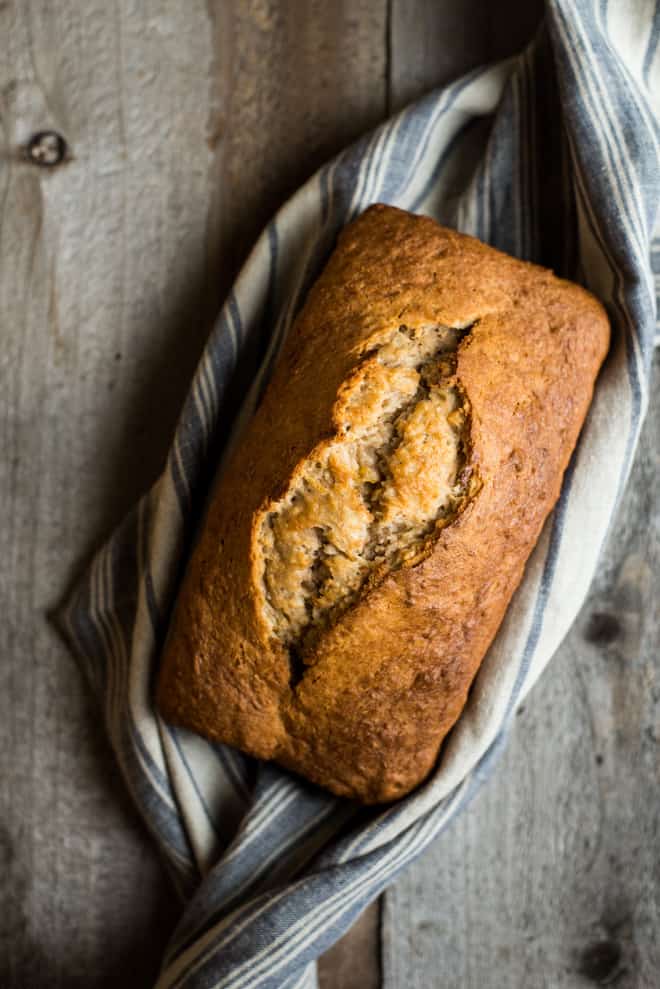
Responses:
[361,547]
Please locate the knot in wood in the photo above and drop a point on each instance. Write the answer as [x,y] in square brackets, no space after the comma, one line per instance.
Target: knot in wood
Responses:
[46,148]
[602,629]
[601,962]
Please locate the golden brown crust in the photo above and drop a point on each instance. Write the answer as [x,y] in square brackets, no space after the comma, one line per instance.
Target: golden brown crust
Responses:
[388,680]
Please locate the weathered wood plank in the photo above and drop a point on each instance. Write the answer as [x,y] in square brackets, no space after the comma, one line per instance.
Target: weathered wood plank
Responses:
[428,43]
[98,263]
[434,42]
[187,125]
[303,81]
[551,878]
[355,962]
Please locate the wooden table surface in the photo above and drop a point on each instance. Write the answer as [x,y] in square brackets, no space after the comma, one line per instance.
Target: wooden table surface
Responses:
[187,124]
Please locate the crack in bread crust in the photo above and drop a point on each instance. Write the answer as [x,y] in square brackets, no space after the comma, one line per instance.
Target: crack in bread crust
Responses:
[371,498]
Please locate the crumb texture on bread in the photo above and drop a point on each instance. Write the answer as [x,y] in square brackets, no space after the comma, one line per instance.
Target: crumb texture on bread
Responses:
[369,499]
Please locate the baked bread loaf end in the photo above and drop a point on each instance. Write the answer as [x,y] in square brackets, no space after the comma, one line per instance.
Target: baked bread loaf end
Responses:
[364,541]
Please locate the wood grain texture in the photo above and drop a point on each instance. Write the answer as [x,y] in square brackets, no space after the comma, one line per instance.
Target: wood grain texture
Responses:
[99,262]
[552,877]
[186,124]
[355,961]
[432,43]
[301,80]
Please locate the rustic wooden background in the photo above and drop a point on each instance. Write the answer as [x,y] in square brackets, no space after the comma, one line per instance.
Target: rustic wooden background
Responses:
[187,124]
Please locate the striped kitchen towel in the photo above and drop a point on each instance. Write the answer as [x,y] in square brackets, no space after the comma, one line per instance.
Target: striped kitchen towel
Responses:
[551,156]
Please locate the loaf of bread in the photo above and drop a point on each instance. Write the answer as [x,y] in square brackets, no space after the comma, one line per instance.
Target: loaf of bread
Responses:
[363,543]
